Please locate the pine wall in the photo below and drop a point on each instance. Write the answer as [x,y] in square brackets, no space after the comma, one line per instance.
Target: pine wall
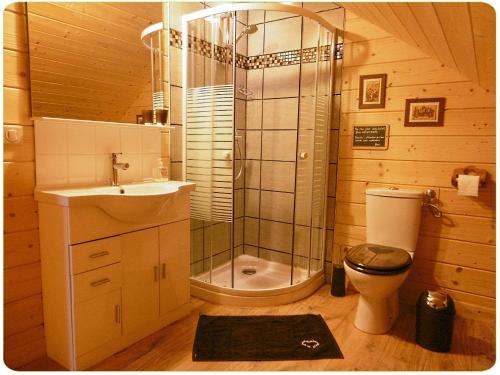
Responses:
[23,316]
[456,252]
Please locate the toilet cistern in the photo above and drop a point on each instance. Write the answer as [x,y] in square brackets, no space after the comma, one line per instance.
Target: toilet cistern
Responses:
[116,166]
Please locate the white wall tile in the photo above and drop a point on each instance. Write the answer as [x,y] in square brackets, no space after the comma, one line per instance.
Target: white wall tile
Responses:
[275,256]
[276,236]
[176,105]
[251,231]
[176,143]
[240,114]
[242,45]
[51,170]
[254,83]
[175,66]
[134,172]
[242,16]
[280,113]
[81,139]
[176,171]
[178,9]
[254,114]
[252,174]
[239,203]
[252,202]
[107,139]
[131,140]
[103,173]
[277,206]
[149,161]
[279,145]
[253,142]
[283,35]
[256,42]
[281,81]
[255,16]
[151,141]
[81,169]
[241,83]
[50,138]
[278,176]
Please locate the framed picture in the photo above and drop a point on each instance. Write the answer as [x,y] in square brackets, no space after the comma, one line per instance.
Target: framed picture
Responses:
[424,112]
[372,91]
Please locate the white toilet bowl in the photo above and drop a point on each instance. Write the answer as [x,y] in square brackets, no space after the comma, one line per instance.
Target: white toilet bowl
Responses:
[378,304]
[377,272]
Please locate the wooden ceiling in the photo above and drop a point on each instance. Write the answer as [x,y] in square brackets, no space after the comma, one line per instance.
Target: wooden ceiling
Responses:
[460,35]
[87,60]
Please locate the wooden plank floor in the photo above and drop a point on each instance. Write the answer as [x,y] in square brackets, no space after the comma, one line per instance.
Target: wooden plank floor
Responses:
[473,345]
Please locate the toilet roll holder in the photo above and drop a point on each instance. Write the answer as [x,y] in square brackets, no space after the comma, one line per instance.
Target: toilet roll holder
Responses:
[473,171]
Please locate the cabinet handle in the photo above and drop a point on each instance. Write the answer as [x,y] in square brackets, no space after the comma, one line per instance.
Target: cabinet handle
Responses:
[164,270]
[100,282]
[99,254]
[118,314]
[156,272]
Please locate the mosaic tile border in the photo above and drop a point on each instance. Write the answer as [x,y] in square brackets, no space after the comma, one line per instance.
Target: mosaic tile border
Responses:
[307,55]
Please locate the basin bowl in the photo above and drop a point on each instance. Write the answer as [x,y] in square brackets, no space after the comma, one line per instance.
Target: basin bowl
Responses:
[132,203]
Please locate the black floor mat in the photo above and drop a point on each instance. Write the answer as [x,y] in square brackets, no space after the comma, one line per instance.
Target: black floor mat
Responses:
[263,338]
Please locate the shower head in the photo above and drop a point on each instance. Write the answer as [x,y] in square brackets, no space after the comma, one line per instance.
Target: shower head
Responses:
[250,29]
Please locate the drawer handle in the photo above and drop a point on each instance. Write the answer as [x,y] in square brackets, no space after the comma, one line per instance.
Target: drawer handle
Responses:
[164,270]
[118,314]
[100,282]
[99,254]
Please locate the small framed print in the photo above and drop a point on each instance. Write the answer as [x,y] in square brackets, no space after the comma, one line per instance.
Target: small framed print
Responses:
[372,91]
[370,137]
[424,112]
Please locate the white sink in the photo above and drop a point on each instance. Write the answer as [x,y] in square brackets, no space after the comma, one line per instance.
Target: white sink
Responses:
[133,203]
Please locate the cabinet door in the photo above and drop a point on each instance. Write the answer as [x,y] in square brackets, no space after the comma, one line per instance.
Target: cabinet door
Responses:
[97,321]
[140,278]
[174,264]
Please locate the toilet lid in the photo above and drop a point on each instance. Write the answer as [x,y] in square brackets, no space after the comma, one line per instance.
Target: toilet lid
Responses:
[378,257]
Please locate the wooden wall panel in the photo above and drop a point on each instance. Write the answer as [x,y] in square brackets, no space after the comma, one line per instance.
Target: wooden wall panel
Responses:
[459,122]
[20,248]
[456,252]
[460,35]
[23,317]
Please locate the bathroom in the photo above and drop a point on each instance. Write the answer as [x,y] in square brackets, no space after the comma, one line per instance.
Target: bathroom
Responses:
[299,204]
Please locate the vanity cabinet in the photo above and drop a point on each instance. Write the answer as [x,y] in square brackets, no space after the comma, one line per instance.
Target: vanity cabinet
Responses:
[102,294]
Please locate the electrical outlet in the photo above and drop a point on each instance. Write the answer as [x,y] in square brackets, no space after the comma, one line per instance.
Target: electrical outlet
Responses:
[12,134]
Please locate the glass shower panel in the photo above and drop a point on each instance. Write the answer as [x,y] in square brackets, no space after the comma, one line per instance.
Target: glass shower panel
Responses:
[312,152]
[209,147]
[321,147]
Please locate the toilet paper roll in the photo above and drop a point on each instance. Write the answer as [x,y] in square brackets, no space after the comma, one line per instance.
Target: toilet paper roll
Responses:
[468,185]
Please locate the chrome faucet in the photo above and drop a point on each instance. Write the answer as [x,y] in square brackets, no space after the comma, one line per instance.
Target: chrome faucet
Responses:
[116,166]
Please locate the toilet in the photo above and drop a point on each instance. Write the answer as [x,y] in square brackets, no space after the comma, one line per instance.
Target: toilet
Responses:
[379,267]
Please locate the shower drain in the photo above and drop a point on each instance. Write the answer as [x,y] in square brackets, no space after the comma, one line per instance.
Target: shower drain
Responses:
[249,271]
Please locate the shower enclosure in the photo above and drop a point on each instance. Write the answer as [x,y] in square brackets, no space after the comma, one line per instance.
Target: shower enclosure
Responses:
[258,85]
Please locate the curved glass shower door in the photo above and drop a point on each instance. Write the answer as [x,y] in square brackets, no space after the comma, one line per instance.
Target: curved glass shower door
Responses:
[257,114]
[209,149]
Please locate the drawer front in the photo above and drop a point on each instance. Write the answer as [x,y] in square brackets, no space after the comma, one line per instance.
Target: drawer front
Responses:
[95,254]
[94,283]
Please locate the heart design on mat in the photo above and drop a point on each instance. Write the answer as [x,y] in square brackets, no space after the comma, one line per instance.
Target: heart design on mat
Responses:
[310,344]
